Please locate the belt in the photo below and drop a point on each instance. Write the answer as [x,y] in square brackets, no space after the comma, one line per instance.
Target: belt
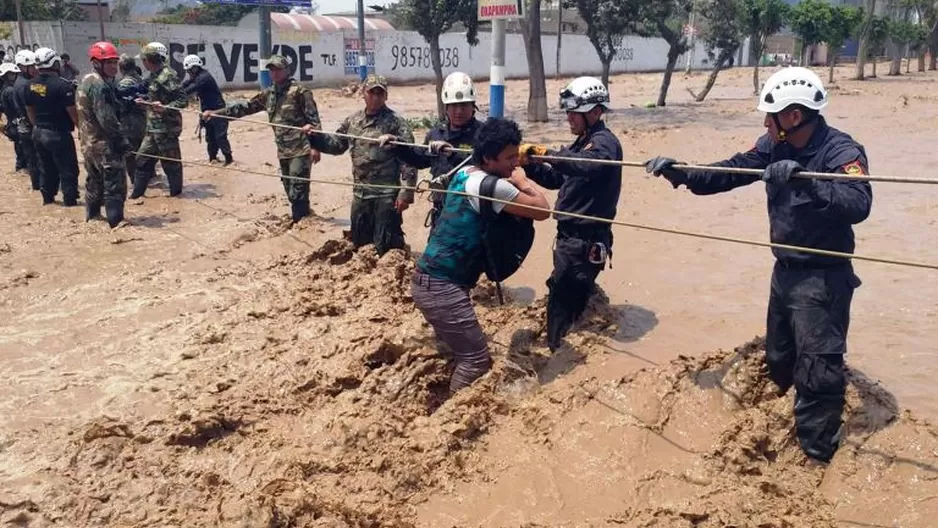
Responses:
[53,128]
[586,232]
[812,264]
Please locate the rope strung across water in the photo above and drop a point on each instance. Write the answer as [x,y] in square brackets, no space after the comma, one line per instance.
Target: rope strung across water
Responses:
[638,164]
[644,227]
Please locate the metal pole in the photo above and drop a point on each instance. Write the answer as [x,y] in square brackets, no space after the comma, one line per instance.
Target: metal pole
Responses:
[101,17]
[559,32]
[362,54]
[497,76]
[263,18]
[693,37]
[19,22]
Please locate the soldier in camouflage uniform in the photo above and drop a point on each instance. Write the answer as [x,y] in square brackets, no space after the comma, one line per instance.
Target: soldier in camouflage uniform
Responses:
[102,143]
[287,103]
[376,213]
[132,116]
[163,126]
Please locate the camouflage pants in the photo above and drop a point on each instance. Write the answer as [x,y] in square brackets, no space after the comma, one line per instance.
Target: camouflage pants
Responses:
[163,145]
[299,167]
[130,159]
[104,172]
[376,221]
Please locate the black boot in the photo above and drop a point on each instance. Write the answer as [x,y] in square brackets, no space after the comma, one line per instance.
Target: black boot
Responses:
[70,201]
[114,209]
[228,159]
[175,184]
[92,211]
[140,186]
[300,210]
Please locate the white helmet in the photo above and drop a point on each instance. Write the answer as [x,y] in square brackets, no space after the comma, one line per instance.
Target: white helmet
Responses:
[25,58]
[458,88]
[155,48]
[8,67]
[789,86]
[584,94]
[46,58]
[190,61]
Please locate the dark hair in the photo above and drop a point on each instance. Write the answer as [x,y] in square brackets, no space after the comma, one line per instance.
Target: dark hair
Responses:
[65,57]
[492,138]
[809,114]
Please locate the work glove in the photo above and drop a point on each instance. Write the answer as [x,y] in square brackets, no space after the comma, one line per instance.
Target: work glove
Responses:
[438,146]
[662,166]
[780,172]
[384,140]
[526,150]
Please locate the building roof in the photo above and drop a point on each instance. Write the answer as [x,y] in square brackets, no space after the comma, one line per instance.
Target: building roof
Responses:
[325,24]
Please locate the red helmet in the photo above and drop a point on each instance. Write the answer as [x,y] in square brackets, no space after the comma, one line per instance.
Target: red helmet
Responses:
[102,51]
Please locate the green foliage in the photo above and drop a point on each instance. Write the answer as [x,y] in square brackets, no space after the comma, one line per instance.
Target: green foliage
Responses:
[845,21]
[426,122]
[811,20]
[904,32]
[607,22]
[878,33]
[43,10]
[764,18]
[432,18]
[665,19]
[208,14]
[725,28]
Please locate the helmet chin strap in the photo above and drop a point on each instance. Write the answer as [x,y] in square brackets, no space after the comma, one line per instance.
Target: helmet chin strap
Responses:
[783,133]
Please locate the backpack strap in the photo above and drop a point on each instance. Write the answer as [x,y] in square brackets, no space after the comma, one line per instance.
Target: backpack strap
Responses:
[487,212]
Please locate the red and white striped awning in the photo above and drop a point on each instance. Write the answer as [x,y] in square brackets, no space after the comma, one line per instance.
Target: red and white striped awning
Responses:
[325,24]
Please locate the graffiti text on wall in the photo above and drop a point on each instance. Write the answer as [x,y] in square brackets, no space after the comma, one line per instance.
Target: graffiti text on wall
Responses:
[232,57]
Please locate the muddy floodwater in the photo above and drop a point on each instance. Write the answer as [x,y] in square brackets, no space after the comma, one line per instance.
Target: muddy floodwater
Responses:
[209,365]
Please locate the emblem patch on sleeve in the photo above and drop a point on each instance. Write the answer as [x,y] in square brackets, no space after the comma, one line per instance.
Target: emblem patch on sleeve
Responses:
[853,168]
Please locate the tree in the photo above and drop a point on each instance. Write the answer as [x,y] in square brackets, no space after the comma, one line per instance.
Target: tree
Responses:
[845,20]
[43,10]
[903,35]
[761,19]
[607,22]
[724,35]
[665,18]
[878,34]
[810,20]
[863,34]
[209,14]
[432,18]
[537,83]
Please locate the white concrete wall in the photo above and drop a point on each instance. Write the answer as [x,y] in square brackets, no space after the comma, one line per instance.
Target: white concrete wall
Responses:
[230,53]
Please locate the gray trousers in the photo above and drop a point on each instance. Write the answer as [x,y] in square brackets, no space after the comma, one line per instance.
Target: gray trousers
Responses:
[447,307]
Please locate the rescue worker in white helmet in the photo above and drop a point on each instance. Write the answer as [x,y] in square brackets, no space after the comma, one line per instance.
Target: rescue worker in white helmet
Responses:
[457,130]
[50,105]
[809,303]
[26,62]
[201,83]
[582,247]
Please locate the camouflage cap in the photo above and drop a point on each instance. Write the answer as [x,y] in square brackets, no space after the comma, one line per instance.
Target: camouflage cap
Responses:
[277,61]
[375,81]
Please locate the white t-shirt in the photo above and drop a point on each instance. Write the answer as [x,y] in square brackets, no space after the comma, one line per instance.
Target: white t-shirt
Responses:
[504,190]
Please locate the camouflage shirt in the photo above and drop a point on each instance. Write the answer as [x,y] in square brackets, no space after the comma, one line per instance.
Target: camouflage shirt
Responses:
[98,114]
[370,163]
[289,104]
[165,88]
[133,117]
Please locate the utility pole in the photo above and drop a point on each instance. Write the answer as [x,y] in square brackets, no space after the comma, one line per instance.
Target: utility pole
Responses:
[19,21]
[263,18]
[693,37]
[497,75]
[362,55]
[559,32]
[100,16]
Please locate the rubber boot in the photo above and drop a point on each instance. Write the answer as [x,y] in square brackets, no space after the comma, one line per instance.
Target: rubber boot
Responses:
[140,186]
[175,185]
[228,159]
[70,201]
[114,209]
[300,210]
[92,211]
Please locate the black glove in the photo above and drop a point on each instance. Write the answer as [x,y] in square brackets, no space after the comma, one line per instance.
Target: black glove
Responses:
[780,172]
[661,166]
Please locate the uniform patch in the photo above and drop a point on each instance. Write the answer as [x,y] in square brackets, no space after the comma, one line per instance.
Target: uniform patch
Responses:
[588,146]
[853,168]
[39,89]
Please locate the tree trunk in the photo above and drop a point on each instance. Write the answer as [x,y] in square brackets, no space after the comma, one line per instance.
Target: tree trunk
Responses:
[932,57]
[755,79]
[712,78]
[921,61]
[874,68]
[438,72]
[673,53]
[895,65]
[607,65]
[861,58]
[756,47]
[832,60]
[537,86]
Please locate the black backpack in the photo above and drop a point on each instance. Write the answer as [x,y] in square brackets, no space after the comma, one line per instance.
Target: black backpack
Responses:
[506,238]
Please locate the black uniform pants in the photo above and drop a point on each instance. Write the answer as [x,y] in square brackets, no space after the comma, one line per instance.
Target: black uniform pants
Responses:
[30,158]
[20,157]
[806,339]
[216,136]
[573,279]
[58,164]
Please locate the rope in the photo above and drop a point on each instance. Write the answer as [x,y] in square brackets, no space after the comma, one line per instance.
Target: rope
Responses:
[638,164]
[644,227]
